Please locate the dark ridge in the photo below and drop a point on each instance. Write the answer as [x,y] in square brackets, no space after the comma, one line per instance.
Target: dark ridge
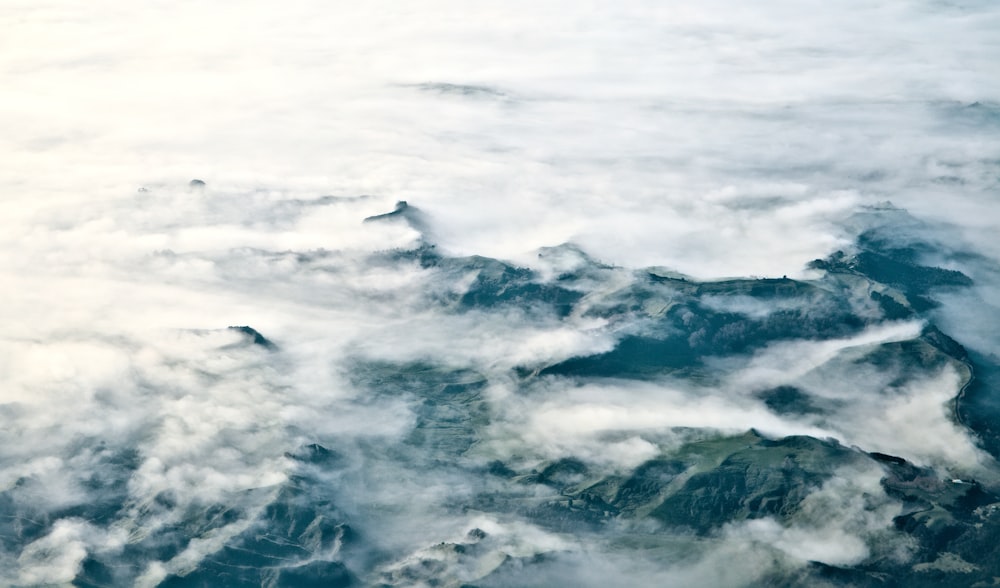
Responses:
[289,543]
[398,212]
[891,309]
[496,284]
[944,343]
[476,534]
[316,454]
[564,472]
[788,400]
[406,213]
[633,357]
[196,184]
[767,478]
[887,260]
[681,337]
[847,576]
[256,338]
[499,468]
[887,458]
[508,285]
[978,406]
[904,273]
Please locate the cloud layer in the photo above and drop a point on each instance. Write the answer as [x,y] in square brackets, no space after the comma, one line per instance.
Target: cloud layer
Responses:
[712,141]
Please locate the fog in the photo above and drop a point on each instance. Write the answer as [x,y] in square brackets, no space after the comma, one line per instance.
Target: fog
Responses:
[713,141]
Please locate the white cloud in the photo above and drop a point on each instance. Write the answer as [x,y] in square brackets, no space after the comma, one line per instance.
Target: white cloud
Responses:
[835,525]
[57,557]
[719,139]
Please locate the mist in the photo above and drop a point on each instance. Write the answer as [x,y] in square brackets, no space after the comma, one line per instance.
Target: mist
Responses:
[584,177]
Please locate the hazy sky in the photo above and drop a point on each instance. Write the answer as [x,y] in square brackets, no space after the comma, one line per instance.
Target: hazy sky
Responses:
[721,138]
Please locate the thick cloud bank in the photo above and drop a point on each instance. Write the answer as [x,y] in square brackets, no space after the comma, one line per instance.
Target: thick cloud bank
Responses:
[539,293]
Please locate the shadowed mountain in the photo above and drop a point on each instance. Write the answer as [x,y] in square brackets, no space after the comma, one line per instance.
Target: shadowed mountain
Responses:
[692,494]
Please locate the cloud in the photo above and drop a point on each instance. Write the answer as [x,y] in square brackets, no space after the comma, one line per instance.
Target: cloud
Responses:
[642,164]
[714,140]
[836,525]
